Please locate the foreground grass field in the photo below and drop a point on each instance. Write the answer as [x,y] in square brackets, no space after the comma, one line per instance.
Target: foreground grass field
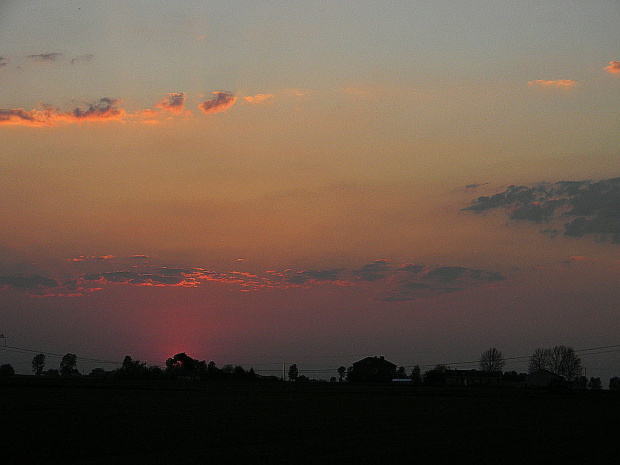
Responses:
[80,421]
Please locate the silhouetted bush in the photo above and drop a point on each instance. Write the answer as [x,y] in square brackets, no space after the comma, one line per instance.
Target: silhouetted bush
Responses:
[6,370]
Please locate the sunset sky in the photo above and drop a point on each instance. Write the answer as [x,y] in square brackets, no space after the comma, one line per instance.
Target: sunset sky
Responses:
[309,182]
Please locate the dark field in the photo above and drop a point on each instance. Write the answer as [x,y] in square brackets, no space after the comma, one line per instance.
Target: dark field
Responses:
[86,421]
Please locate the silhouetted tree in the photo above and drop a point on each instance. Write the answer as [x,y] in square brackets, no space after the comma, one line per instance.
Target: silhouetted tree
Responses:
[212,371]
[566,362]
[436,376]
[540,360]
[293,372]
[595,384]
[580,383]
[560,360]
[135,369]
[6,370]
[131,368]
[492,360]
[128,363]
[614,384]
[52,373]
[513,378]
[38,363]
[181,361]
[342,371]
[416,375]
[182,364]
[98,373]
[68,365]
[401,373]
[238,373]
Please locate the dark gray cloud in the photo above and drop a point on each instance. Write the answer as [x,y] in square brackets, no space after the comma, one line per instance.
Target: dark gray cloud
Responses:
[106,107]
[34,282]
[46,57]
[373,271]
[587,207]
[315,275]
[414,282]
[474,185]
[390,283]
[81,59]
[411,268]
[446,274]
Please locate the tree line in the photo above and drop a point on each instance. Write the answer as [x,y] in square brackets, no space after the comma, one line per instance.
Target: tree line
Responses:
[560,360]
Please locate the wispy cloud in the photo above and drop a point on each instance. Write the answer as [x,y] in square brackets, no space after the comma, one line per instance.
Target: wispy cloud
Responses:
[390,283]
[221,101]
[259,98]
[81,59]
[367,91]
[613,68]
[384,281]
[162,278]
[45,57]
[557,84]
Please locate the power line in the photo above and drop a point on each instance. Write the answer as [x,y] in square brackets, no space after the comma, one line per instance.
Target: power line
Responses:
[51,354]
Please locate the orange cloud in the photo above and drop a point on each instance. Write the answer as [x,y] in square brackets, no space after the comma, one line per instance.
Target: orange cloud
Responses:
[259,98]
[559,84]
[298,93]
[148,116]
[105,110]
[613,68]
[174,102]
[221,101]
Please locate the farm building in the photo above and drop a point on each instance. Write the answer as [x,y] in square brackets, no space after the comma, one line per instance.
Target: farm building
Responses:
[373,369]
[541,378]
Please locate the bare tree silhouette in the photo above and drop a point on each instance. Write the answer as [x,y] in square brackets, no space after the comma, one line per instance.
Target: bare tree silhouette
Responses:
[492,360]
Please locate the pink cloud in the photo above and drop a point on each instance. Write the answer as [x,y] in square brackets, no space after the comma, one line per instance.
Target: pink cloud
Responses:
[558,84]
[221,101]
[613,68]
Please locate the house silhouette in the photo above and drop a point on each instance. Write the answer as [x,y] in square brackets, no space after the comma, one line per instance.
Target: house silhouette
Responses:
[372,370]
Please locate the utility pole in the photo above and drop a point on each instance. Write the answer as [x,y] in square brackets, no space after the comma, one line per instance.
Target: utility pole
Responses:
[283,371]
